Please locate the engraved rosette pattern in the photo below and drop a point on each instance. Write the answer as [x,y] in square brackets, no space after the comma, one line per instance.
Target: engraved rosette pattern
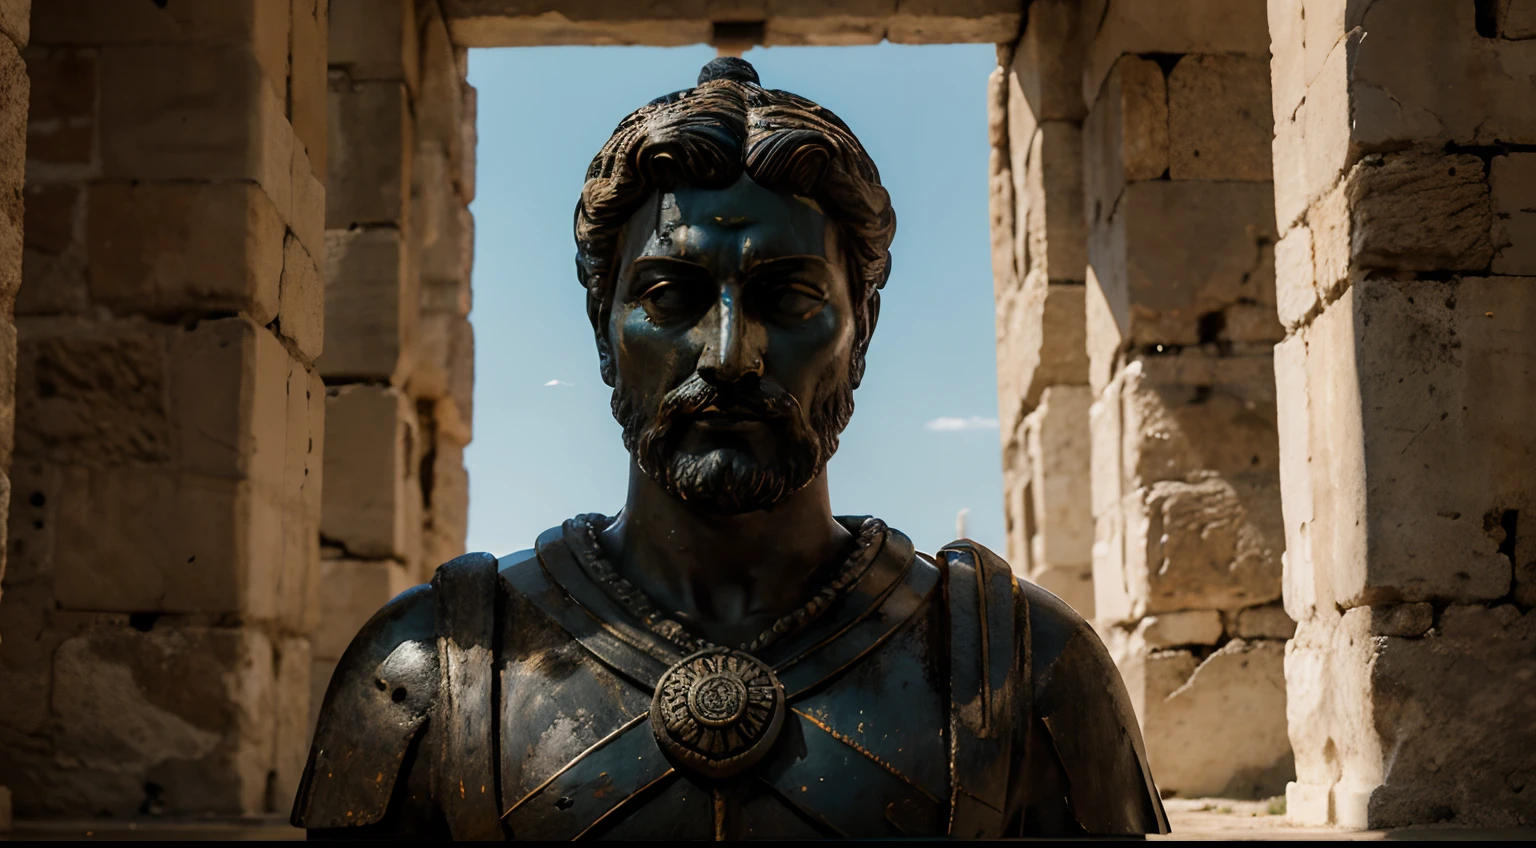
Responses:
[717,711]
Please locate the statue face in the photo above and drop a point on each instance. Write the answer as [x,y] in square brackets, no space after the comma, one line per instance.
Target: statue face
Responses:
[731,336]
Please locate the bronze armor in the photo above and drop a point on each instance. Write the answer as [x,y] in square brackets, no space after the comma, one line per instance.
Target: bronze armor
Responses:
[938,696]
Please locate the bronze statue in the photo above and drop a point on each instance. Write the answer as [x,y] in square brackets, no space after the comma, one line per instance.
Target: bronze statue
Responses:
[725,658]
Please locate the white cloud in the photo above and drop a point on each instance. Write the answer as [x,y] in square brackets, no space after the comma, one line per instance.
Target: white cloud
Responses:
[556,383]
[975,422]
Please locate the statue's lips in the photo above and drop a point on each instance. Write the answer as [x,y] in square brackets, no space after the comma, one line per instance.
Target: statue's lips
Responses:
[715,418]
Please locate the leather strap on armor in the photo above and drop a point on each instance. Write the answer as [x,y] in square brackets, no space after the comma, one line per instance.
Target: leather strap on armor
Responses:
[984,676]
[466,593]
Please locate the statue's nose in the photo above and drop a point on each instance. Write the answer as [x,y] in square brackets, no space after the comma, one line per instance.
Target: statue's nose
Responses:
[733,347]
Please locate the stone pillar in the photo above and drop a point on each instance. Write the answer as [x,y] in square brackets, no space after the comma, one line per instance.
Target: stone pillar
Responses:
[1180,325]
[14,26]
[1039,261]
[1407,385]
[398,366]
[167,466]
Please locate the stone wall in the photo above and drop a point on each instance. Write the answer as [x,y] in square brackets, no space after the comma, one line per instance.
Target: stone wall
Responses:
[1040,261]
[163,543]
[1180,317]
[1405,150]
[399,360]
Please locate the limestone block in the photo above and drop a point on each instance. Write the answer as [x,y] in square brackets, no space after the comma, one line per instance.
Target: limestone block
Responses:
[14,89]
[1180,629]
[353,590]
[1103,333]
[1125,136]
[1217,728]
[1401,619]
[1383,725]
[443,226]
[61,122]
[952,21]
[1018,130]
[1051,204]
[300,500]
[290,742]
[228,401]
[1214,543]
[1517,19]
[447,503]
[1410,212]
[172,249]
[301,315]
[1018,518]
[258,26]
[1185,417]
[1047,64]
[1117,27]
[471,137]
[372,496]
[1001,225]
[1265,622]
[150,95]
[1189,262]
[1287,58]
[1397,98]
[1219,119]
[445,341]
[1040,343]
[114,408]
[439,105]
[31,529]
[1512,182]
[1106,434]
[370,306]
[1296,292]
[370,143]
[1112,600]
[15,22]
[309,79]
[375,40]
[189,710]
[1058,450]
[1445,382]
[53,257]
[1071,583]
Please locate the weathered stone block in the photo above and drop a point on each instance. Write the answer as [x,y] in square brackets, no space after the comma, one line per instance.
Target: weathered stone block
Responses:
[1187,263]
[61,120]
[53,256]
[1125,136]
[301,314]
[1117,27]
[372,496]
[438,105]
[1517,19]
[1112,600]
[1050,197]
[1296,292]
[189,710]
[370,306]
[442,224]
[445,342]
[353,590]
[1382,726]
[371,139]
[447,504]
[1058,453]
[308,46]
[173,249]
[951,21]
[1071,583]
[1186,417]
[1040,344]
[1215,728]
[1264,622]
[290,740]
[1512,183]
[1413,212]
[14,89]
[1180,629]
[15,23]
[375,40]
[1211,544]
[150,95]
[228,401]
[1219,119]
[1413,444]
[1047,63]
[114,410]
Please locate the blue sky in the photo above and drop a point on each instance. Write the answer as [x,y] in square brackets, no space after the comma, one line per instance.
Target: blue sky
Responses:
[545,445]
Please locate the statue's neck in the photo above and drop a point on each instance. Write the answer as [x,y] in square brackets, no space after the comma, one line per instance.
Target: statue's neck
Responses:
[729,577]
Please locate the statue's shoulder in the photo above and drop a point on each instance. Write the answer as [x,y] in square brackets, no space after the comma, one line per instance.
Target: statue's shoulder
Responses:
[370,763]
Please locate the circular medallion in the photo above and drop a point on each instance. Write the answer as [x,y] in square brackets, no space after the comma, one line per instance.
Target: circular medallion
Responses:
[717,711]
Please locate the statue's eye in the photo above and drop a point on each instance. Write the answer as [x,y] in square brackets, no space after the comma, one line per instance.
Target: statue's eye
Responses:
[798,301]
[668,298]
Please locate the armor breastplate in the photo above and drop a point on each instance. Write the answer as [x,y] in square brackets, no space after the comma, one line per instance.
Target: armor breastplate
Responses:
[865,745]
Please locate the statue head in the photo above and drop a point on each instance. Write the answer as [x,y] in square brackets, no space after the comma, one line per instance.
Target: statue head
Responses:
[733,241]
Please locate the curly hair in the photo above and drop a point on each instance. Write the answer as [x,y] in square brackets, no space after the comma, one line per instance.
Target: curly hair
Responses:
[707,137]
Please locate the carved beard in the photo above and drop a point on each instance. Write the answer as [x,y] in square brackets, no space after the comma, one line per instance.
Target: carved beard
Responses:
[726,480]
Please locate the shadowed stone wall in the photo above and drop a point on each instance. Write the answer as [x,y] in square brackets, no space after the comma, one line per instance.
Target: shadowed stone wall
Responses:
[1180,313]
[1405,165]
[399,363]
[164,545]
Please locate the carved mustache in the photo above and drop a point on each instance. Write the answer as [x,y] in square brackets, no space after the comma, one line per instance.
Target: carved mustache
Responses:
[763,399]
